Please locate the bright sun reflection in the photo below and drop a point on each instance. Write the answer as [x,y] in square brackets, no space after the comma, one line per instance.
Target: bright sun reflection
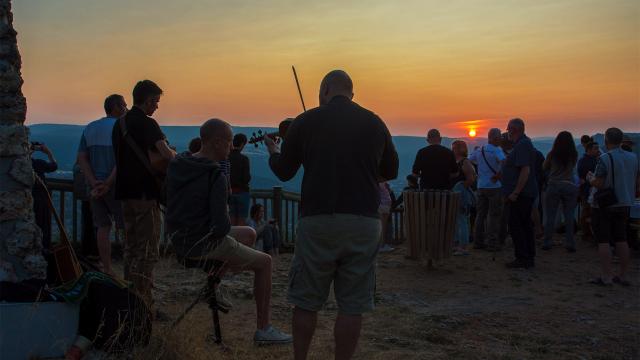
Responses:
[472,132]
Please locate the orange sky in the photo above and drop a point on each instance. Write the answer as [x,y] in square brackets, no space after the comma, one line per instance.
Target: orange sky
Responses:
[561,64]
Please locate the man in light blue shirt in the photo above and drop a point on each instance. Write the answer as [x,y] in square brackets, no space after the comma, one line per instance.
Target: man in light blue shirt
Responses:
[489,159]
[97,161]
[617,170]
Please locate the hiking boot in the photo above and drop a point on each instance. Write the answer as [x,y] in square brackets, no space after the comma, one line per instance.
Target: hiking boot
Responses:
[222,300]
[271,336]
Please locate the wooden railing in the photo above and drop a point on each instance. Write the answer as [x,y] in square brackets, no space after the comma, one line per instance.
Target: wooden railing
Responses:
[280,205]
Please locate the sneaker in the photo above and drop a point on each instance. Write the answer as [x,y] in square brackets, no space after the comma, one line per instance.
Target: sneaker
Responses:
[386,248]
[271,336]
[222,300]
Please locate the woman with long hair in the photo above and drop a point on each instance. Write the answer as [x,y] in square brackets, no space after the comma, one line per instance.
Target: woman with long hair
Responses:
[561,189]
[462,183]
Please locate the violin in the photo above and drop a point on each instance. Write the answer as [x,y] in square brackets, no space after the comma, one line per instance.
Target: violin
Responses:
[277,136]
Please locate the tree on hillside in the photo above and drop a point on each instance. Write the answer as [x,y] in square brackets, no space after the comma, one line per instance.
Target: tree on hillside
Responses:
[20,238]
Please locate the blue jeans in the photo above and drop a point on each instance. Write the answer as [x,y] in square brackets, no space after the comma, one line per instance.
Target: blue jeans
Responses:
[557,194]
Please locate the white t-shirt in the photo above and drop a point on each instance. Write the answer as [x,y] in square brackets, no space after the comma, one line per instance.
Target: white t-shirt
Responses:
[494,155]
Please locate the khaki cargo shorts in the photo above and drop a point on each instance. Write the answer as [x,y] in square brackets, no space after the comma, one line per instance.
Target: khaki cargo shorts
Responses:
[235,254]
[339,249]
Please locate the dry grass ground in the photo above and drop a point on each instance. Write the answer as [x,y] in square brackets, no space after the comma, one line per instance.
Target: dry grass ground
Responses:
[466,308]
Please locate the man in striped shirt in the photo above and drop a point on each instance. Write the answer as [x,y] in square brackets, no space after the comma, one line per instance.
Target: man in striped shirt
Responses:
[97,161]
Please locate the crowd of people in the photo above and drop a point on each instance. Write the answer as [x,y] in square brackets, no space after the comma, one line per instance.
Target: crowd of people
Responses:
[506,186]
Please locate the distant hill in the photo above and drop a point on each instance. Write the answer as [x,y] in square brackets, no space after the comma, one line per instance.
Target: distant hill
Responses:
[63,140]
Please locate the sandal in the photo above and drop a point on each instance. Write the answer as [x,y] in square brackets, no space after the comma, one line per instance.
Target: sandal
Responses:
[598,281]
[617,280]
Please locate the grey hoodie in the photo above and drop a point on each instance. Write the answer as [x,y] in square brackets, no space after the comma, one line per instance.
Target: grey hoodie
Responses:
[197,213]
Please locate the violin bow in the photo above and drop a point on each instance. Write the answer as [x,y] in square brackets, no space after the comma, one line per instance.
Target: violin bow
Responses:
[295,75]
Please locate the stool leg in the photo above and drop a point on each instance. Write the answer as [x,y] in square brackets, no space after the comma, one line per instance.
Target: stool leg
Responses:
[213,305]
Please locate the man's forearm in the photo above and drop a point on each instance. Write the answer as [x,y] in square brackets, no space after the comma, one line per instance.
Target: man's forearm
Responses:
[83,162]
[112,177]
[164,150]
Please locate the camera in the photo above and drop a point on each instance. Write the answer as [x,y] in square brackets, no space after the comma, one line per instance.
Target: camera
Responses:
[35,146]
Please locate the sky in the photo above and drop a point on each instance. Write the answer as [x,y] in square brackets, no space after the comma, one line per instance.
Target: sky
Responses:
[456,65]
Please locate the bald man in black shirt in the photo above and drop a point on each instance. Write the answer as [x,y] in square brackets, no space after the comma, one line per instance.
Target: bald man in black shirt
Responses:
[345,150]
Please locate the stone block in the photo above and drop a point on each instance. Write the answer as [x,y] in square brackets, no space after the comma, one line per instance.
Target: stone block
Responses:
[14,140]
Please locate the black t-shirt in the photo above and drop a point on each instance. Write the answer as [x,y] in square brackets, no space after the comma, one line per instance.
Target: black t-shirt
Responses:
[240,171]
[435,164]
[344,149]
[133,180]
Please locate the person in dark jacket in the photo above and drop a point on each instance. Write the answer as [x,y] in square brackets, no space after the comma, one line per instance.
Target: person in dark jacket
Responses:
[39,192]
[240,177]
[198,221]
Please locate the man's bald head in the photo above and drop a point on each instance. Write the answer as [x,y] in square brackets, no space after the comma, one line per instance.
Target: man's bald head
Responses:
[335,83]
[217,137]
[213,128]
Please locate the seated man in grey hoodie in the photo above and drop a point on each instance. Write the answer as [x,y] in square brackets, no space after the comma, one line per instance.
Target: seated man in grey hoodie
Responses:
[198,223]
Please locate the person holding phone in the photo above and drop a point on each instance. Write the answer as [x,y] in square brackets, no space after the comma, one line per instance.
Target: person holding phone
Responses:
[39,191]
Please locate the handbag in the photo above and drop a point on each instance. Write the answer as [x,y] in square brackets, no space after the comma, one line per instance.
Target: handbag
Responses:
[607,196]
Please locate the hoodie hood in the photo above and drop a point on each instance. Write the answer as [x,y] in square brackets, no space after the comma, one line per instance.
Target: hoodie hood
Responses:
[185,168]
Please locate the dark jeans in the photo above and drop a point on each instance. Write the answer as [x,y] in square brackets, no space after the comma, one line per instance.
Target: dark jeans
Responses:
[270,237]
[560,194]
[504,221]
[521,229]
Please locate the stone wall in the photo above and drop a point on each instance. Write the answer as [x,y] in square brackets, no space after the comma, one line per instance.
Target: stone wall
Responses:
[20,238]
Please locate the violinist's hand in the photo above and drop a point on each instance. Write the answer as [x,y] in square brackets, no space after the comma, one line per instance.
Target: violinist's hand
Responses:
[271,145]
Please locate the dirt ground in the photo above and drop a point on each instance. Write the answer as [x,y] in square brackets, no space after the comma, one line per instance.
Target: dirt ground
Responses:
[468,307]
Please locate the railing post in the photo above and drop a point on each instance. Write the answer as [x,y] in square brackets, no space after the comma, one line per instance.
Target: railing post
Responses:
[277,205]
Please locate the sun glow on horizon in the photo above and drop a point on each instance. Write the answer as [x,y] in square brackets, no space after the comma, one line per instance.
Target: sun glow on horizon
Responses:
[472,132]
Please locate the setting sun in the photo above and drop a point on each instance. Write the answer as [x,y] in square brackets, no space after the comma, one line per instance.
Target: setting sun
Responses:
[472,132]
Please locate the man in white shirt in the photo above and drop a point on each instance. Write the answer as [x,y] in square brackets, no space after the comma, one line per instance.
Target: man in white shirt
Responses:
[617,170]
[489,159]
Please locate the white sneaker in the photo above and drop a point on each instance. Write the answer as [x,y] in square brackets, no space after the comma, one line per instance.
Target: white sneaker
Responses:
[386,248]
[270,336]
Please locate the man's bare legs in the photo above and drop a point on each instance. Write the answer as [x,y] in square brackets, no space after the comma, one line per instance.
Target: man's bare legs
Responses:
[347,333]
[604,252]
[262,270]
[304,325]
[622,248]
[104,248]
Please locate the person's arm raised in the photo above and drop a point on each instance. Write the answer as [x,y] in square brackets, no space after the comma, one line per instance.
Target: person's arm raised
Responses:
[285,163]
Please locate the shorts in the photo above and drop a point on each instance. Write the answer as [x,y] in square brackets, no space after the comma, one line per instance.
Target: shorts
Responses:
[610,224]
[339,249]
[239,205]
[232,252]
[106,210]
